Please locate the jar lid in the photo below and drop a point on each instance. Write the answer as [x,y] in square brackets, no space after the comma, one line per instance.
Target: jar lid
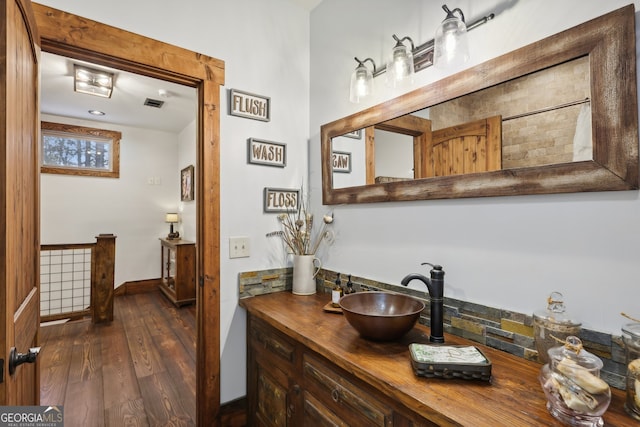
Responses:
[572,349]
[555,312]
[632,329]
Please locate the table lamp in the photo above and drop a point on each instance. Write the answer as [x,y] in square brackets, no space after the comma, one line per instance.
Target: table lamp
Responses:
[172,218]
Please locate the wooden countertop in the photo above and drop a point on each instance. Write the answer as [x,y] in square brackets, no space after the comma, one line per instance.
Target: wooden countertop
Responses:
[514,396]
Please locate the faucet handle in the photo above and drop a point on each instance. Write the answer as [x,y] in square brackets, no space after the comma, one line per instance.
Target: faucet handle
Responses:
[434,266]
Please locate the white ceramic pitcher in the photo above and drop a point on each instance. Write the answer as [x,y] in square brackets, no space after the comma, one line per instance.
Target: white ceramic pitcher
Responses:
[305,269]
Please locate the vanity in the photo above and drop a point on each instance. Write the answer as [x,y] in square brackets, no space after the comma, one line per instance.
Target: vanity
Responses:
[310,367]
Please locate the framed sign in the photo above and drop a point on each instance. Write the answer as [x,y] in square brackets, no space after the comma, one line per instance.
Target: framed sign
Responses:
[269,153]
[356,134]
[186,184]
[281,200]
[249,105]
[341,161]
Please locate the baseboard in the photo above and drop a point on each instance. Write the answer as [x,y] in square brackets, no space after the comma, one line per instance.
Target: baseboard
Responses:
[137,287]
[234,413]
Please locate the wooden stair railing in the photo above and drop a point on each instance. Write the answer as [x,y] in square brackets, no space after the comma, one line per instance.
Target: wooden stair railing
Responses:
[103,253]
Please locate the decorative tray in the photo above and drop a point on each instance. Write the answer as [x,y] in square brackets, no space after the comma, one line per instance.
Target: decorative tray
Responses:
[331,309]
[450,361]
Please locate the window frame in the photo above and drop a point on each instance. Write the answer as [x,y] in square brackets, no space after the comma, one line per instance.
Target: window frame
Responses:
[82,131]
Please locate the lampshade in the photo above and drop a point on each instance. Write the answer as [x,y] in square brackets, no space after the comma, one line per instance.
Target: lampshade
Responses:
[171,217]
[361,81]
[400,65]
[92,82]
[451,47]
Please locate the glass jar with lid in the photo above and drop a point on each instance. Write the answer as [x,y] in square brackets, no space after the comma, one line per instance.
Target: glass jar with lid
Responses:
[553,324]
[631,338]
[576,395]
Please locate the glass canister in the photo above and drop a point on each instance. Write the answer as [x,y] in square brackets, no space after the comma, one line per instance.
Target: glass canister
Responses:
[550,323]
[631,338]
[576,395]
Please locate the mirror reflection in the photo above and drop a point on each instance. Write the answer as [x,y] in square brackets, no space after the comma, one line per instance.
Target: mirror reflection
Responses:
[543,118]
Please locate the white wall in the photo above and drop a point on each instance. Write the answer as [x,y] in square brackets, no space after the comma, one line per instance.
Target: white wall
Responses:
[265,46]
[507,252]
[75,209]
[186,157]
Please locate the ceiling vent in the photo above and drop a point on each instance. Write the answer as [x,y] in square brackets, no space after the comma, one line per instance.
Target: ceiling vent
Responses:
[155,103]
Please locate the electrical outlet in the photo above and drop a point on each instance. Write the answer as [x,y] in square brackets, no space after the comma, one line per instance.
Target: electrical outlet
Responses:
[238,247]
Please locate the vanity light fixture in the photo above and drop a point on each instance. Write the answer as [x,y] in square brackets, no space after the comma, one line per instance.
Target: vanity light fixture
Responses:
[400,67]
[454,31]
[451,47]
[92,81]
[361,81]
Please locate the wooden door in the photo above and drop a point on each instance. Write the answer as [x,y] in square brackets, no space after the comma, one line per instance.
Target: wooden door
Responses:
[19,199]
[467,148]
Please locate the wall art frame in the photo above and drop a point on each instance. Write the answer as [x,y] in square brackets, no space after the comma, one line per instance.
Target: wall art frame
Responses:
[266,153]
[279,200]
[341,161]
[187,184]
[249,105]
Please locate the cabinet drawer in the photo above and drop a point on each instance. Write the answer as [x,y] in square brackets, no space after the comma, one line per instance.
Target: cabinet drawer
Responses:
[265,337]
[357,403]
[318,415]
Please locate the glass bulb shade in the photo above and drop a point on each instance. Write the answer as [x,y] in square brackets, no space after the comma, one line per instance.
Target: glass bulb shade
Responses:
[400,67]
[361,84]
[171,217]
[451,45]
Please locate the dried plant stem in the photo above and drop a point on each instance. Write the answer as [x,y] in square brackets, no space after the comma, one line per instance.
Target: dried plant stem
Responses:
[319,239]
[630,318]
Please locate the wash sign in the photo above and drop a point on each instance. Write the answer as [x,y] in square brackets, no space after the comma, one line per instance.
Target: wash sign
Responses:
[267,153]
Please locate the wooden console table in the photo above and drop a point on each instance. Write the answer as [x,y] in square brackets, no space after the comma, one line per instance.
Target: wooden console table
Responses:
[178,263]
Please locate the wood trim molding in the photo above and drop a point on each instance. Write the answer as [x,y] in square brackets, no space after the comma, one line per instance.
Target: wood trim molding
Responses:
[80,38]
[137,287]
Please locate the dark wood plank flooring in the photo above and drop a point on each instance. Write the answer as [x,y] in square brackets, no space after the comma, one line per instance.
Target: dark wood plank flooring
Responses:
[137,371]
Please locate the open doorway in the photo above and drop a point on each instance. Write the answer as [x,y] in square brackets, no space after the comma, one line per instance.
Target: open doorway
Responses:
[82,39]
[156,121]
[138,183]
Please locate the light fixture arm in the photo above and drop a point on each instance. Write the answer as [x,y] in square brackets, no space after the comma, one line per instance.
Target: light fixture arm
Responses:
[361,64]
[450,13]
[400,42]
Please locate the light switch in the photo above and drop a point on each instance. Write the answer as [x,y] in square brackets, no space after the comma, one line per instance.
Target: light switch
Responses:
[238,247]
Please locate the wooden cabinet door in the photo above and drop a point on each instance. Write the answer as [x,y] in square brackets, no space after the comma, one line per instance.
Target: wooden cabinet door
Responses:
[467,148]
[273,393]
[19,199]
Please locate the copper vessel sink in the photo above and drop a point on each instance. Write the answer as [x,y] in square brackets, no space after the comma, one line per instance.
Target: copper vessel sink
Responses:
[381,316]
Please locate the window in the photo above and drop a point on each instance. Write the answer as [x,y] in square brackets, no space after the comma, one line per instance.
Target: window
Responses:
[77,150]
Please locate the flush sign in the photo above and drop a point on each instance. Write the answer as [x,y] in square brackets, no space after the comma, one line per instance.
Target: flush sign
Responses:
[249,105]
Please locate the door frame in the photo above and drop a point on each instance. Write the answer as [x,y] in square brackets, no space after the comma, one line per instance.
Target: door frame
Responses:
[72,36]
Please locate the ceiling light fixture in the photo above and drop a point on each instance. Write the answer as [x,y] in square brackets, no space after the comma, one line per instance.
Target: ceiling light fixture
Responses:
[421,57]
[92,81]
[97,112]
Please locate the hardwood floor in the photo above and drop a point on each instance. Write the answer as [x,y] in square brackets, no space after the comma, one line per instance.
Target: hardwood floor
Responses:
[137,371]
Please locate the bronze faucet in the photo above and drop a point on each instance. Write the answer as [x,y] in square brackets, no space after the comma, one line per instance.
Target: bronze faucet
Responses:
[435,285]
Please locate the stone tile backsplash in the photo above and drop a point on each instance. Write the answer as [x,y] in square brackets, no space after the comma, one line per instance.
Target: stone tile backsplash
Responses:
[501,329]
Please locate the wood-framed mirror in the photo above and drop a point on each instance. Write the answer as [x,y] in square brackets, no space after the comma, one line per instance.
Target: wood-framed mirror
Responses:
[599,151]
